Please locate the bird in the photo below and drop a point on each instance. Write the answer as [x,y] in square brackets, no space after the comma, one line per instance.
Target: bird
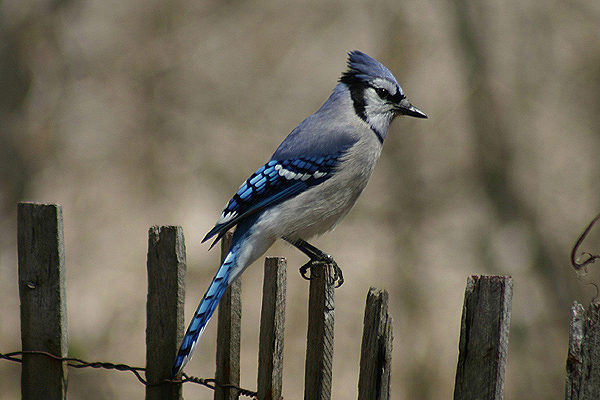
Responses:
[310,183]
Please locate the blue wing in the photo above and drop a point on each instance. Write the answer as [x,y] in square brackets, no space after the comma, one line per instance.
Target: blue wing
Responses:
[272,183]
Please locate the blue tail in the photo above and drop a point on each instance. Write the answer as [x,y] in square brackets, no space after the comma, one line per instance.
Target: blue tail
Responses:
[204,311]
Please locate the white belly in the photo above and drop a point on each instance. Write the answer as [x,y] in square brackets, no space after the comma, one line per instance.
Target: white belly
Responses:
[320,208]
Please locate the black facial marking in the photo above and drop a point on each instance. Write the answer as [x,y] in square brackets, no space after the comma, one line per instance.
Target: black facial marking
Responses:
[384,94]
[398,97]
[357,88]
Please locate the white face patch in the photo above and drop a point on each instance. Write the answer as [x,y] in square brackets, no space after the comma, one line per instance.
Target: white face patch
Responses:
[375,106]
[379,111]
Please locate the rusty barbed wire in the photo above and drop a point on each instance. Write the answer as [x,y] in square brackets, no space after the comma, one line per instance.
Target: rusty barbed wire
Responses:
[207,382]
[74,362]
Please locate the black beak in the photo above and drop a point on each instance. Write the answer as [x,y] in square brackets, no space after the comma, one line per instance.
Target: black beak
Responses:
[405,108]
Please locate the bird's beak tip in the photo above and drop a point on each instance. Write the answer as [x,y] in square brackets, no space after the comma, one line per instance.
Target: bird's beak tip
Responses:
[413,111]
[406,108]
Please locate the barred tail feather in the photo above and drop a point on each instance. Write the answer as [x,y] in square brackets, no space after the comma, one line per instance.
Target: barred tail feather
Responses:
[205,309]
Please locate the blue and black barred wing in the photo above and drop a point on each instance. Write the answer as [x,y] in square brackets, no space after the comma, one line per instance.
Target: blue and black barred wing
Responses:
[272,183]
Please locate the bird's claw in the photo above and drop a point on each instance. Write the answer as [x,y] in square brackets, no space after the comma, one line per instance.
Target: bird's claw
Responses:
[304,269]
[328,261]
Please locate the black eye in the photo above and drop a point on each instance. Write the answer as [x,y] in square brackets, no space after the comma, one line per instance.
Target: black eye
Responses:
[382,93]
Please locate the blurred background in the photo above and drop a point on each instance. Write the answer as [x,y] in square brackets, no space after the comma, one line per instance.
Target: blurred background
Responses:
[138,113]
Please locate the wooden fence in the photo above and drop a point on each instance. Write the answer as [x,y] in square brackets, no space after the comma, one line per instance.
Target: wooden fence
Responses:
[482,345]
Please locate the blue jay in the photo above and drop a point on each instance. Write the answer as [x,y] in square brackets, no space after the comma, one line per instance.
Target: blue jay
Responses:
[310,183]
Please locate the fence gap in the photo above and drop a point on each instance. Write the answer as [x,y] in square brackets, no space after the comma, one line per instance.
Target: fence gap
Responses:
[272,322]
[376,348]
[228,334]
[42,293]
[483,338]
[583,360]
[166,265]
[319,343]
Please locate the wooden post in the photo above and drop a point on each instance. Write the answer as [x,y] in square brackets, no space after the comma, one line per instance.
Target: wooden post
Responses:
[43,300]
[164,308]
[229,335]
[272,321]
[376,348]
[484,338]
[583,361]
[319,344]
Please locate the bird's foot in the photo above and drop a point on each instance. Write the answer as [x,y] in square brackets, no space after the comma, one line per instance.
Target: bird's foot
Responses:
[304,270]
[317,258]
[335,272]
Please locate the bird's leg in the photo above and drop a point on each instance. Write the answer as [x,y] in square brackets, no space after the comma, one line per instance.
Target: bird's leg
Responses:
[316,256]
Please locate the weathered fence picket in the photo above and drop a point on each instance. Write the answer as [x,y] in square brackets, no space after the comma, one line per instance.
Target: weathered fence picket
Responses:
[164,309]
[229,333]
[482,345]
[376,348]
[319,344]
[483,340]
[272,322]
[43,300]
[583,361]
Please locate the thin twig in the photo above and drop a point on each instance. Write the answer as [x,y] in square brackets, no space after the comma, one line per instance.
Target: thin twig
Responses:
[591,258]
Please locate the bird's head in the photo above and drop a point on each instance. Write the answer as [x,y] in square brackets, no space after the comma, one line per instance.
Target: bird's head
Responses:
[376,95]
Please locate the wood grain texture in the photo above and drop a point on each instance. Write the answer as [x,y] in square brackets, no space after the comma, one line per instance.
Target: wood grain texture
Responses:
[166,265]
[483,341]
[43,300]
[272,323]
[583,360]
[319,344]
[376,348]
[229,328]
